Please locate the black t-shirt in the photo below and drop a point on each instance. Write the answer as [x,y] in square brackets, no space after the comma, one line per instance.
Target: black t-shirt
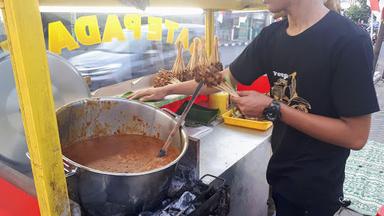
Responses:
[326,70]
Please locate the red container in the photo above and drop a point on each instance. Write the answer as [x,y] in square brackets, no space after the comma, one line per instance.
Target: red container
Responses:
[201,100]
[261,85]
[16,202]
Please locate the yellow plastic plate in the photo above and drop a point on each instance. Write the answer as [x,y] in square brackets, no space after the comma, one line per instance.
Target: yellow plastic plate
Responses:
[246,123]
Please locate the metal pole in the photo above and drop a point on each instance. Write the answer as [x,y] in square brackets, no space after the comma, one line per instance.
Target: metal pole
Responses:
[33,84]
[209,30]
[379,42]
[371,25]
[73,20]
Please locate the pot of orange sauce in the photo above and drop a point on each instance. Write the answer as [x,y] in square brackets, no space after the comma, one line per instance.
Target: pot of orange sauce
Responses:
[110,149]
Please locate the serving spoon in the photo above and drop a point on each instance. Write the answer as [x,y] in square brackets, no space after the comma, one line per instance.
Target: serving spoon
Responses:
[180,120]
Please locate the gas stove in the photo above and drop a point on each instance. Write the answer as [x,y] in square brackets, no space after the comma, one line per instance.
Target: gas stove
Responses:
[194,197]
[186,196]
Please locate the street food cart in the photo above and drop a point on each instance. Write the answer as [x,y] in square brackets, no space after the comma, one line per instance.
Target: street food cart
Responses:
[227,152]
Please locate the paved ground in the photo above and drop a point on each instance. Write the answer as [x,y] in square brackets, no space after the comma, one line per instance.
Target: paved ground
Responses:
[377,128]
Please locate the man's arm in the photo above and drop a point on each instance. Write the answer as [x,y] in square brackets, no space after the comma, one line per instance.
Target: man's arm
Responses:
[351,133]
[187,88]
[184,88]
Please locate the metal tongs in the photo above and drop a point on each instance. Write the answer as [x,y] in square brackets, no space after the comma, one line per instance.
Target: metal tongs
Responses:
[180,120]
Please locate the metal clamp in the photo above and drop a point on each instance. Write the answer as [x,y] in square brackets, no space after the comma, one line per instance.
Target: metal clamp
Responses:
[173,114]
[216,178]
[170,112]
[69,170]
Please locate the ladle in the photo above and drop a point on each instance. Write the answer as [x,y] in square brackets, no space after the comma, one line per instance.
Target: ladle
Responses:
[180,121]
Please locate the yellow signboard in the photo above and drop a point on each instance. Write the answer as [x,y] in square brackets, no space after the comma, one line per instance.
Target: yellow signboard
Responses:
[87,32]
[93,35]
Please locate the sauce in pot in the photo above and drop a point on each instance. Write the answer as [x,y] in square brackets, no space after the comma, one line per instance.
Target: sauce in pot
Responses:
[120,153]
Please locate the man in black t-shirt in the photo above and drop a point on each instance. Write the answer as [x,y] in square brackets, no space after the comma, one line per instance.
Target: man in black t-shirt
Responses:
[320,68]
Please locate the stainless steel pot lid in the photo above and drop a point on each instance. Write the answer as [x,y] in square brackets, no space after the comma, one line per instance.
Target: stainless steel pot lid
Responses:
[67,86]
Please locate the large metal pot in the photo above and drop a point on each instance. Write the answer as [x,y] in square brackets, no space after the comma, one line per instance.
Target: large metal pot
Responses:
[109,193]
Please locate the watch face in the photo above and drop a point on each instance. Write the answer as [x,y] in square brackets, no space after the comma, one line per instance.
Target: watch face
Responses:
[271,115]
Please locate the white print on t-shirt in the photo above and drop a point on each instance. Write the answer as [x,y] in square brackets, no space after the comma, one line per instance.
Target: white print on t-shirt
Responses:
[282,75]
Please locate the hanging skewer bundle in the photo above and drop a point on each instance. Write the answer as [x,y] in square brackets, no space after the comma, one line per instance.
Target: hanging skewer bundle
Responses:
[199,68]
[163,78]
[215,55]
[214,79]
[209,70]
[179,66]
[209,75]
[203,58]
[194,61]
[166,77]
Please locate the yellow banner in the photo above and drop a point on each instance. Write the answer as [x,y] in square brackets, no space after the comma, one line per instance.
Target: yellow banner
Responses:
[87,32]
[87,23]
[59,38]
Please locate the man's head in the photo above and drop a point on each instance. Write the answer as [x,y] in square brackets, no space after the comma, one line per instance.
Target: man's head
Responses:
[279,7]
[276,6]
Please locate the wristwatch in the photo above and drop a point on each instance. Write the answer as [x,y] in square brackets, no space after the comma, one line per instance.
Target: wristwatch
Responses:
[272,112]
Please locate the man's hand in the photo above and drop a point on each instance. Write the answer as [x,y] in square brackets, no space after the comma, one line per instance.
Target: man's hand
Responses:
[252,103]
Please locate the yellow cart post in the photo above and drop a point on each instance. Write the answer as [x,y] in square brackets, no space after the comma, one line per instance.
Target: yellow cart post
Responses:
[30,66]
[32,77]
